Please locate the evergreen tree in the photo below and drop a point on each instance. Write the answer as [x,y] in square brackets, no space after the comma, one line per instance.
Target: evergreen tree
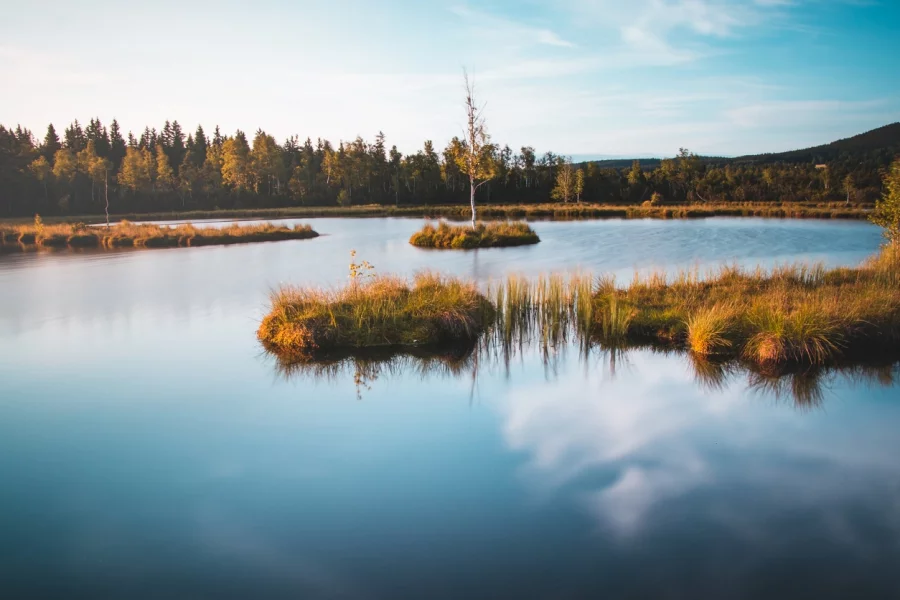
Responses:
[116,145]
[198,152]
[51,143]
[74,136]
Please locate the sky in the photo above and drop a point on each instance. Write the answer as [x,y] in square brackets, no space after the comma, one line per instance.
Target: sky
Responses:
[586,78]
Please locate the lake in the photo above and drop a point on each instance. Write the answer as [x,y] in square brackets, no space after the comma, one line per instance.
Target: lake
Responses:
[149,448]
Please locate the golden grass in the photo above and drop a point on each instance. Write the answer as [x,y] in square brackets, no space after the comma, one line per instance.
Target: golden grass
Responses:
[794,314]
[791,315]
[708,329]
[483,235]
[126,234]
[383,311]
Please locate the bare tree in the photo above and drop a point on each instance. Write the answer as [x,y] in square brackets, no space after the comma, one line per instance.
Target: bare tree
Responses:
[476,163]
[106,193]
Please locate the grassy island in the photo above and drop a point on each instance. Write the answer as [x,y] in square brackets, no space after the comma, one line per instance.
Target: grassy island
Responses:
[379,312]
[483,235]
[789,316]
[126,234]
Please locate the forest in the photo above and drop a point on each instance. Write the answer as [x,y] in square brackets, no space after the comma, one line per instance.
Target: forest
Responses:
[78,172]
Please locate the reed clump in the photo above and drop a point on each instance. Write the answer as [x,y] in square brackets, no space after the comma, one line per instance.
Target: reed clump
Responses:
[126,234]
[483,235]
[378,311]
[791,315]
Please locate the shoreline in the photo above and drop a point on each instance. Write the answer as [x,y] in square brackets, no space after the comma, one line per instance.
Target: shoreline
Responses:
[584,211]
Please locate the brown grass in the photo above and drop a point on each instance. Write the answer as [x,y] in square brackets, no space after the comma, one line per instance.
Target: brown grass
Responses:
[126,234]
[546,210]
[483,235]
[384,311]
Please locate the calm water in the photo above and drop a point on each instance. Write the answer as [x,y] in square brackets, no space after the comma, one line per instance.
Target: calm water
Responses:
[149,449]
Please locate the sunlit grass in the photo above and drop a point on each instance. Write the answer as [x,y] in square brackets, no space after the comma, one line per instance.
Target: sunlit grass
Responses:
[127,234]
[483,235]
[382,311]
[802,314]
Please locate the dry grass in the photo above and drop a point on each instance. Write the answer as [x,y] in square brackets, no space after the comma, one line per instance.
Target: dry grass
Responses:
[126,234]
[381,312]
[583,210]
[796,314]
[792,315]
[484,235]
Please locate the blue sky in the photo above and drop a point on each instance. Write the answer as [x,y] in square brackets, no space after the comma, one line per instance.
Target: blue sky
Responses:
[579,77]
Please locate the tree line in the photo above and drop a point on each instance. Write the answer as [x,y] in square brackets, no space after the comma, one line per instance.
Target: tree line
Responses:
[168,170]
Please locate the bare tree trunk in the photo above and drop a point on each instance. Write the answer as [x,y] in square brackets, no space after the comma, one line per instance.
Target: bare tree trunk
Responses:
[472,199]
[106,195]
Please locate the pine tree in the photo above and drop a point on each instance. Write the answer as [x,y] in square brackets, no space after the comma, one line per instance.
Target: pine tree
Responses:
[198,152]
[176,144]
[74,136]
[51,143]
[116,145]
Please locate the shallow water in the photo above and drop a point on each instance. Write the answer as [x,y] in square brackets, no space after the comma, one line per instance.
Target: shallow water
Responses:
[149,449]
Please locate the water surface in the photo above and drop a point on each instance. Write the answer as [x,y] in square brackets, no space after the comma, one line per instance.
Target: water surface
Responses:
[149,449]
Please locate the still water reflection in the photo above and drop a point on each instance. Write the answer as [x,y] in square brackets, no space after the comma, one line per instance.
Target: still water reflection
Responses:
[148,448]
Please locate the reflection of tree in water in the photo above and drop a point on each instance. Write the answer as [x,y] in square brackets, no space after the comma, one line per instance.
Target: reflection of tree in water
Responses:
[551,332]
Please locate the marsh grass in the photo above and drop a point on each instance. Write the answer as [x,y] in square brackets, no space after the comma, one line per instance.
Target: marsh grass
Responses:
[483,235]
[126,234]
[382,311]
[584,210]
[790,315]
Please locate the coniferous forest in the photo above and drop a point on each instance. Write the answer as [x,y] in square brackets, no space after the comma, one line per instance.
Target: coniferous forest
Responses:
[76,171]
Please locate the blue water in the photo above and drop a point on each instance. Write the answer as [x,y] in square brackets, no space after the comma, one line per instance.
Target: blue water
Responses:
[148,448]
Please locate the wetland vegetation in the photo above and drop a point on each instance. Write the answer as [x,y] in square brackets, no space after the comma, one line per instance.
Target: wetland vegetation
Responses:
[144,235]
[482,235]
[790,315]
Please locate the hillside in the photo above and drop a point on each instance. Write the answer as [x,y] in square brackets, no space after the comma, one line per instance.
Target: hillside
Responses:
[883,138]
[887,137]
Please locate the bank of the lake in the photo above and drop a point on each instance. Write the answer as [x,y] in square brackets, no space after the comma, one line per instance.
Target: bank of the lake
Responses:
[585,210]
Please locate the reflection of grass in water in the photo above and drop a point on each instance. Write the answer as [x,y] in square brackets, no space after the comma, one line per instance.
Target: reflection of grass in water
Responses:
[711,374]
[804,387]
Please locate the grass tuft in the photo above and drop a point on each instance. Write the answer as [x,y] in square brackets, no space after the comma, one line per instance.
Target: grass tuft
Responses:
[383,311]
[484,235]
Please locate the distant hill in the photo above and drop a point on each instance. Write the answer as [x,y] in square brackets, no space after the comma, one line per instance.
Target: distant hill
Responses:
[887,137]
[883,138]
